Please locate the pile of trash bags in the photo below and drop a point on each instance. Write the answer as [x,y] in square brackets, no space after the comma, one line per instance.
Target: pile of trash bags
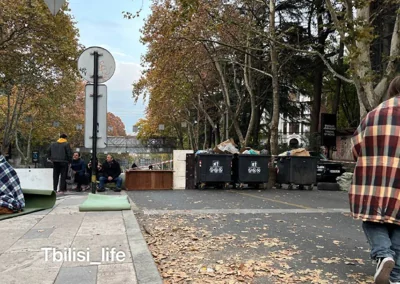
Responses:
[300,152]
[229,147]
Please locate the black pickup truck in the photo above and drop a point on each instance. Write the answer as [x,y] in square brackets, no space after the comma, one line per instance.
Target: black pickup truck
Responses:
[327,170]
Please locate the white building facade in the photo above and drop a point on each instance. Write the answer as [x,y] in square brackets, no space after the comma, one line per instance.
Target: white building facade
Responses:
[294,131]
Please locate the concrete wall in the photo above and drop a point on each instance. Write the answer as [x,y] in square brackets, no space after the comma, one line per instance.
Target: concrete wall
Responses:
[180,168]
[42,178]
[36,178]
[343,149]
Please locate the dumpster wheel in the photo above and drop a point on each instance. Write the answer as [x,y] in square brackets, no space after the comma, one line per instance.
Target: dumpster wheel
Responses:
[202,185]
[226,186]
[241,185]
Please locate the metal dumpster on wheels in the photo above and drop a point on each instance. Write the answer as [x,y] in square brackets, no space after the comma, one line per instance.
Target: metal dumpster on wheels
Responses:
[213,170]
[297,170]
[250,169]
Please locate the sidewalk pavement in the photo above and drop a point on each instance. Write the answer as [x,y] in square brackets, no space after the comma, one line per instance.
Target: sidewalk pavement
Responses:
[62,245]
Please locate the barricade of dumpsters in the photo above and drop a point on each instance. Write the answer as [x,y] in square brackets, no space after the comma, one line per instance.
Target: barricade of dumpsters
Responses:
[226,166]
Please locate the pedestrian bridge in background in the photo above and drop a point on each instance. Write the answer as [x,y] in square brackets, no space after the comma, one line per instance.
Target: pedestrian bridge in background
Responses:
[130,144]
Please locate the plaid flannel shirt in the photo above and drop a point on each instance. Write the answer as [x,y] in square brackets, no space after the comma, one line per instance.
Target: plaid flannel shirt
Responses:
[11,195]
[375,191]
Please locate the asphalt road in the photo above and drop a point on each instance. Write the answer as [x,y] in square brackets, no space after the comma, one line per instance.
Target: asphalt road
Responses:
[314,225]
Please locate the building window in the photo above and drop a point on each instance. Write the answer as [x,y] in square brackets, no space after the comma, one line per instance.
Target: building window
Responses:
[294,127]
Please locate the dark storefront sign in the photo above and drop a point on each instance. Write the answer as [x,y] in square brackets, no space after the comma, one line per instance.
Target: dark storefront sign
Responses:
[328,129]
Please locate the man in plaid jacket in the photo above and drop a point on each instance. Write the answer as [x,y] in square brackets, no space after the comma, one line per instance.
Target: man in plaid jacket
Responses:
[11,196]
[375,191]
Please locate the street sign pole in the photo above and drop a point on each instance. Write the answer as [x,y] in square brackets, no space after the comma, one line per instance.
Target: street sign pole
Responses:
[94,135]
[103,70]
[54,5]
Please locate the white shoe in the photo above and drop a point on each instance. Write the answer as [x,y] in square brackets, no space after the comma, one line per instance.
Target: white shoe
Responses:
[383,269]
[394,282]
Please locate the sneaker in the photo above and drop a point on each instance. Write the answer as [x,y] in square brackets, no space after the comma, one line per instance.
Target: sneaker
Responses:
[383,270]
[397,282]
[101,189]
[85,187]
[117,189]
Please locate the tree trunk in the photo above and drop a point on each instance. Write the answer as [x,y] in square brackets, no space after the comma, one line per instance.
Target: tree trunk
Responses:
[218,136]
[225,92]
[336,98]
[205,146]
[197,130]
[190,138]
[275,92]
[249,86]
[211,137]
[256,130]
[318,78]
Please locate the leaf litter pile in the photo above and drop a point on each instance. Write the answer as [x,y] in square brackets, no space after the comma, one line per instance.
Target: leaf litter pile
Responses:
[194,249]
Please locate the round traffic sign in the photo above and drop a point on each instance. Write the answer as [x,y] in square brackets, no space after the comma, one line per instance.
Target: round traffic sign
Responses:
[106,66]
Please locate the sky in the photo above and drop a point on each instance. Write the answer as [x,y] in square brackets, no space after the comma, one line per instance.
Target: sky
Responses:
[101,23]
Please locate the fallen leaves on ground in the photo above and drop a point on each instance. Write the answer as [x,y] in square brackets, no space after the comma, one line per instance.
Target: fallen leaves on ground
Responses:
[192,253]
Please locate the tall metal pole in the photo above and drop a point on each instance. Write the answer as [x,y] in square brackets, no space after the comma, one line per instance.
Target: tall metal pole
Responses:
[94,137]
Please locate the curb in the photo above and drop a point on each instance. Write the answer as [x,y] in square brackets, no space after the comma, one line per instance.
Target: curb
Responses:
[145,267]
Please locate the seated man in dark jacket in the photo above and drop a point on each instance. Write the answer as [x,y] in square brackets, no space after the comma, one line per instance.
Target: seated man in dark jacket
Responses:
[111,173]
[79,170]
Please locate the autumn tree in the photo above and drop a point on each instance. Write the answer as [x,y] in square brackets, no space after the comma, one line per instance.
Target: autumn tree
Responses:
[38,77]
[115,126]
[213,66]
[357,23]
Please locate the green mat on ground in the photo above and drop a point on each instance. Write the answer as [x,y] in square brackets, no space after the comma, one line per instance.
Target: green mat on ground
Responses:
[35,200]
[100,202]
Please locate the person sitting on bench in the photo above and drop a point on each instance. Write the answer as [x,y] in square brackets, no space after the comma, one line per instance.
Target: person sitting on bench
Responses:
[99,172]
[79,170]
[111,173]
[11,197]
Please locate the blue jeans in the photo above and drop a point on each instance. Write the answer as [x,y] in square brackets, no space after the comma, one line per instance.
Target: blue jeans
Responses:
[117,180]
[384,240]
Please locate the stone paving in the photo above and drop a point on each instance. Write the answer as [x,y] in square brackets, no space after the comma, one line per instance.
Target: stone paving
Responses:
[62,245]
